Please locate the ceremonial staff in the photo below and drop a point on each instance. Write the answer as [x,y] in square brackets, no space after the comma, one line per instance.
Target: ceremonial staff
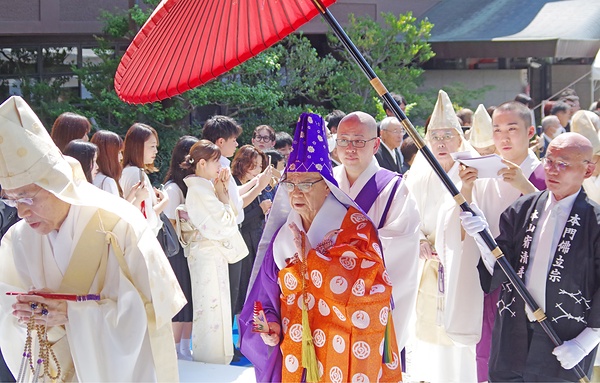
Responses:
[207,47]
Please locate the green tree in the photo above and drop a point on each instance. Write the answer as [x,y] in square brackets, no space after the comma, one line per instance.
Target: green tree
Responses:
[394,51]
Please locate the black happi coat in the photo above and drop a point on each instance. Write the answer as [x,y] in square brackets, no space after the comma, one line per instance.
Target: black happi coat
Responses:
[572,288]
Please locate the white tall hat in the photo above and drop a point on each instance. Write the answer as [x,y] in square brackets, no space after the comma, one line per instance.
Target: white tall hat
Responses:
[29,156]
[444,116]
[482,130]
[583,122]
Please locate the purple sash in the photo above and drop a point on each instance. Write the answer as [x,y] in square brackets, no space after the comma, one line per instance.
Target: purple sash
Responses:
[538,178]
[373,188]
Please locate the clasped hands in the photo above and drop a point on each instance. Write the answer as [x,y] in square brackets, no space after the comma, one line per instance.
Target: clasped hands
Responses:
[49,312]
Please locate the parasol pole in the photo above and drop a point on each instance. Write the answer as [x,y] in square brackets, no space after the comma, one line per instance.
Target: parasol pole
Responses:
[458,197]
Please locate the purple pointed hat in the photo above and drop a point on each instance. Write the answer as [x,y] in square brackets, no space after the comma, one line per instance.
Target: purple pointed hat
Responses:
[309,149]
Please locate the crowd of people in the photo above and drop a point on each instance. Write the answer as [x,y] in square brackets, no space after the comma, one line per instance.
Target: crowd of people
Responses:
[364,266]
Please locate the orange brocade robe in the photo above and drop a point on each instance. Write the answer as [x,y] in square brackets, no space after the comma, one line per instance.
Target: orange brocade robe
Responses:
[348,297]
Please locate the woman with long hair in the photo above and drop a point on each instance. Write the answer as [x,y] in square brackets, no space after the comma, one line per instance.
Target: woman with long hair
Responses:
[86,153]
[176,189]
[110,154]
[140,149]
[68,127]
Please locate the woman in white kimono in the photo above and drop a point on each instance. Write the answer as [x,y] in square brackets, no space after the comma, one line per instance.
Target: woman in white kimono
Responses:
[434,356]
[219,243]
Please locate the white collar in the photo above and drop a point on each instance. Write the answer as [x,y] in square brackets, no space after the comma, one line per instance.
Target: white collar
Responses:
[565,205]
[329,218]
[61,240]
[344,184]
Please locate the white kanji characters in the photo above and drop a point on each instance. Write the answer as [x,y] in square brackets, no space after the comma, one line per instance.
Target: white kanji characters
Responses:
[574,220]
[524,257]
[534,215]
[506,286]
[527,241]
[564,246]
[570,232]
[521,272]
[506,307]
[530,228]
[554,276]
[558,262]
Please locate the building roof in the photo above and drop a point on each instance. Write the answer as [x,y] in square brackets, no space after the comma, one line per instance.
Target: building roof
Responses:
[515,28]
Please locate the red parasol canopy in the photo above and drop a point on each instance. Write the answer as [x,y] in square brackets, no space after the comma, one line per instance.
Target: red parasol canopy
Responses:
[187,43]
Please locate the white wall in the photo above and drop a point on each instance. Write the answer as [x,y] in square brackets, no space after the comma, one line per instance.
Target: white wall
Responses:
[507,83]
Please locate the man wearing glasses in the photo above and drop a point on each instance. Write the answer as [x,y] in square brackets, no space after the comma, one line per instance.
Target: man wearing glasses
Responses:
[388,155]
[78,241]
[550,238]
[383,195]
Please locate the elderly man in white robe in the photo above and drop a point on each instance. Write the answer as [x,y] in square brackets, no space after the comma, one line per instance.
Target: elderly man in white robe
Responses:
[383,195]
[440,351]
[112,321]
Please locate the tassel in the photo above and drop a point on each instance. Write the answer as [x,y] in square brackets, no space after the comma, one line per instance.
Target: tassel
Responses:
[440,296]
[309,356]
[387,341]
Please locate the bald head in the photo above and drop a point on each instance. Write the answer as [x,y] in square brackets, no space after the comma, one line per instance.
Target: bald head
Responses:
[357,143]
[575,143]
[366,121]
[568,164]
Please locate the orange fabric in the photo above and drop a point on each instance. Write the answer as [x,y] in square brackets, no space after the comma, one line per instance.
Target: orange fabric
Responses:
[348,296]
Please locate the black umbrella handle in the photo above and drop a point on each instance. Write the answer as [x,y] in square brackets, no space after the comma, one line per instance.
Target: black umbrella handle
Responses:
[458,197]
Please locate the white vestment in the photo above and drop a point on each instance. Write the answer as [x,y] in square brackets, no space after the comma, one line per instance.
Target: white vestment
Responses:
[109,339]
[212,340]
[591,186]
[399,238]
[447,361]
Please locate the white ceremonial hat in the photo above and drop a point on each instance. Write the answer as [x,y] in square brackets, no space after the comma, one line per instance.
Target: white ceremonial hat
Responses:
[584,122]
[29,156]
[444,116]
[481,131]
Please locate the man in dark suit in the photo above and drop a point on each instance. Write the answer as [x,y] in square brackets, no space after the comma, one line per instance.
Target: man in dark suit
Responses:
[388,155]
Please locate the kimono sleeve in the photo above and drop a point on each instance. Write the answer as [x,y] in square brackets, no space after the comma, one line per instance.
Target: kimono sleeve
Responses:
[266,359]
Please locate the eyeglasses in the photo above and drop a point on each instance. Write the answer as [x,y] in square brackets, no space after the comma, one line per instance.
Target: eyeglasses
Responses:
[302,186]
[395,131]
[560,166]
[25,201]
[445,137]
[263,138]
[356,143]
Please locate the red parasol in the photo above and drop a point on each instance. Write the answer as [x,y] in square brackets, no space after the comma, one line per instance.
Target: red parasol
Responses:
[187,43]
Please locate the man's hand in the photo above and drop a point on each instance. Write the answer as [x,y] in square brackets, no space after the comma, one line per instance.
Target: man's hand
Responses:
[571,352]
[514,176]
[426,251]
[467,175]
[50,312]
[273,338]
